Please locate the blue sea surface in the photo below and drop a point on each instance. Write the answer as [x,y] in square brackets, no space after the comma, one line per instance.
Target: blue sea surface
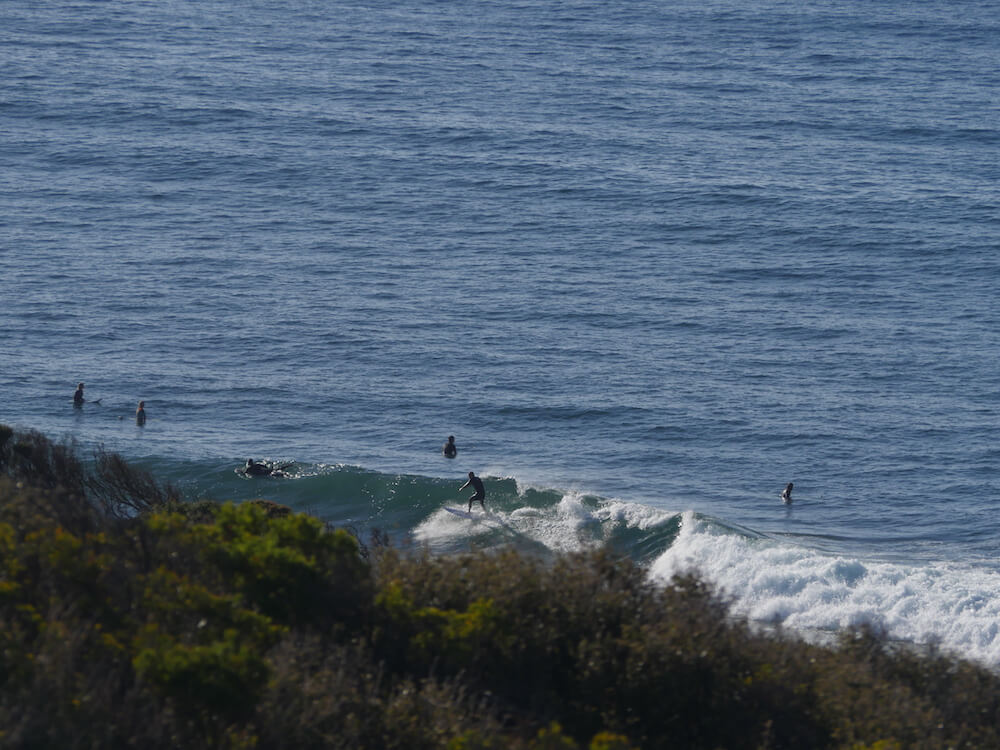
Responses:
[648,263]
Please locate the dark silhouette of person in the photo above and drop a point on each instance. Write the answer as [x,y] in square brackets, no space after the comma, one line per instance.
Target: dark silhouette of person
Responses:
[786,494]
[450,450]
[140,414]
[79,400]
[254,469]
[480,493]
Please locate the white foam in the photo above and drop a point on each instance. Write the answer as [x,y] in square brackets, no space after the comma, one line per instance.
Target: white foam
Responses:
[573,512]
[634,515]
[567,526]
[559,527]
[526,513]
[443,529]
[957,606]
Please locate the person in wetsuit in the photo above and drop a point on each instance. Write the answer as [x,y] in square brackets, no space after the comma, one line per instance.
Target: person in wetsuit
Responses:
[261,469]
[450,450]
[786,494]
[254,469]
[140,414]
[480,494]
[78,398]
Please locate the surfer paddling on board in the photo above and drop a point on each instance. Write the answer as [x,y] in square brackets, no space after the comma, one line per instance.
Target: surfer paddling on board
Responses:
[450,450]
[259,469]
[477,485]
[786,494]
[254,469]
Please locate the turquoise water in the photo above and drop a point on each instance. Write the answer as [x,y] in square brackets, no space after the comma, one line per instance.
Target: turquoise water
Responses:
[648,264]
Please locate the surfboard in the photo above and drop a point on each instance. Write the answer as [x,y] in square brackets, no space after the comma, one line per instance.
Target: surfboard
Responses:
[458,512]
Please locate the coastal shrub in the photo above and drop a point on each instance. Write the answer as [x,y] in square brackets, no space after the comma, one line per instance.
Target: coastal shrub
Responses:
[609,741]
[289,567]
[124,491]
[224,675]
[30,457]
[590,640]
[6,433]
[338,696]
[108,483]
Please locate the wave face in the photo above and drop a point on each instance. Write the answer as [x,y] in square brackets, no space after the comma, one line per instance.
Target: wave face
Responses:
[770,579]
[411,508]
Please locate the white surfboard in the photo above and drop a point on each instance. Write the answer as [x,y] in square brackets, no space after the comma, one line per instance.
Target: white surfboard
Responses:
[457,512]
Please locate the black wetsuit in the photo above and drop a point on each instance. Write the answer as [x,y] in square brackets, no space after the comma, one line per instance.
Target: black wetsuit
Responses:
[480,495]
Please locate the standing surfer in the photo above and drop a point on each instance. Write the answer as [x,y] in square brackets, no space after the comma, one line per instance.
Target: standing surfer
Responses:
[480,493]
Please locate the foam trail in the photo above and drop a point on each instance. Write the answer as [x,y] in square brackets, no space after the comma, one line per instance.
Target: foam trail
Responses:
[564,527]
[957,606]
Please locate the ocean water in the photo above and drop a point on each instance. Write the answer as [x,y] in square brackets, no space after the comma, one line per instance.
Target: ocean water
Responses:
[648,262]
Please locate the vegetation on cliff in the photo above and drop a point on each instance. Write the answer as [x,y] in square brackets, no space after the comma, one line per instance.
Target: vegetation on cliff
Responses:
[129,618]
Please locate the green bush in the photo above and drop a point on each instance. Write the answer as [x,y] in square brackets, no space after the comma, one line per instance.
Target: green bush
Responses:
[225,675]
[288,567]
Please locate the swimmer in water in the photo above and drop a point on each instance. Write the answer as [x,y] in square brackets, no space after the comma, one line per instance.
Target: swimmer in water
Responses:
[786,494]
[450,450]
[480,494]
[140,414]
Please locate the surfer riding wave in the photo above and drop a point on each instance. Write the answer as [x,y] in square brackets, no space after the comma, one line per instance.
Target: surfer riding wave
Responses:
[480,493]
